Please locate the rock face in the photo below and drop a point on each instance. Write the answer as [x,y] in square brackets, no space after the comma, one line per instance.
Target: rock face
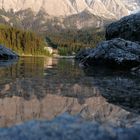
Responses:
[67,7]
[40,16]
[132,5]
[116,7]
[6,54]
[127,28]
[100,9]
[117,51]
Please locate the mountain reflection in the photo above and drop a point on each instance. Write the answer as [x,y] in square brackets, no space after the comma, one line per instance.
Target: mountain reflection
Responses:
[38,88]
[16,110]
[119,88]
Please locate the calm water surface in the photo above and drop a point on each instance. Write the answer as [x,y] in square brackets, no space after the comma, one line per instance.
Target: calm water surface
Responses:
[43,88]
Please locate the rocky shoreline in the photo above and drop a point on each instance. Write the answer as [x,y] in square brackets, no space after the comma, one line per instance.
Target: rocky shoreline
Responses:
[121,50]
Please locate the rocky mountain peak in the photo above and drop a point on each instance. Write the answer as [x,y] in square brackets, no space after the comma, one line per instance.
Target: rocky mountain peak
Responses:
[99,9]
[69,11]
[79,5]
[57,8]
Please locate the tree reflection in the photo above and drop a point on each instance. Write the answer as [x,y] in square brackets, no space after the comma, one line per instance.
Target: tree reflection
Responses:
[38,88]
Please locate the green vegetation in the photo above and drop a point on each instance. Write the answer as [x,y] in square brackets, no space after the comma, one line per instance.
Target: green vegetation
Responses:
[69,42]
[66,41]
[22,42]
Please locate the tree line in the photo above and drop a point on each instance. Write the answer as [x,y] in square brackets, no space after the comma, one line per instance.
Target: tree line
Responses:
[69,42]
[21,41]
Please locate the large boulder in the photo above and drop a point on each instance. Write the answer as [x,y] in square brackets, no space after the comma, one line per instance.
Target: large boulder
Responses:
[127,28]
[115,53]
[122,48]
[6,54]
[83,53]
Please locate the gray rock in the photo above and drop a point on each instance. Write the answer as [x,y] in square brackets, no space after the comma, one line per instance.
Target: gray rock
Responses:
[127,28]
[6,54]
[115,53]
[66,127]
[135,70]
[83,53]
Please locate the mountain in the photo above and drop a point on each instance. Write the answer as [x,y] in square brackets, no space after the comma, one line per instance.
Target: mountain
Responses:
[99,8]
[116,7]
[65,7]
[58,7]
[42,15]
[70,7]
[86,19]
[79,5]
[132,5]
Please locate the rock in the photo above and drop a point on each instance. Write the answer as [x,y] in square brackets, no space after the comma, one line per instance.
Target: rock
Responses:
[66,127]
[6,54]
[83,53]
[127,28]
[122,48]
[135,70]
[115,53]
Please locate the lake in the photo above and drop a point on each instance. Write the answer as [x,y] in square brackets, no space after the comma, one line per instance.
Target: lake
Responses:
[44,88]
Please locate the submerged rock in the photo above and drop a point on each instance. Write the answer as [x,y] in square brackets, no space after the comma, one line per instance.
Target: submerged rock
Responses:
[66,127]
[7,54]
[115,53]
[127,28]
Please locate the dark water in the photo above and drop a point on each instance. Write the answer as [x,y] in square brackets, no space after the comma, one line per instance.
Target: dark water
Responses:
[44,88]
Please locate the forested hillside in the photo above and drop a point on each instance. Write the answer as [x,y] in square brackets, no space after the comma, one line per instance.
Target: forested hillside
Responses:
[22,42]
[70,41]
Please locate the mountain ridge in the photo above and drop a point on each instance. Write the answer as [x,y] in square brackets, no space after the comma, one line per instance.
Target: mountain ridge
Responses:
[69,7]
[64,13]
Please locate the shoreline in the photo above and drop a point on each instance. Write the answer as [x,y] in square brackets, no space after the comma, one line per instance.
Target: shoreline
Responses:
[53,56]
[64,57]
[32,56]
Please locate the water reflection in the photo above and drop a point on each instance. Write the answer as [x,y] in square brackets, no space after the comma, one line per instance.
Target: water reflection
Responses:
[119,88]
[7,63]
[16,110]
[38,88]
